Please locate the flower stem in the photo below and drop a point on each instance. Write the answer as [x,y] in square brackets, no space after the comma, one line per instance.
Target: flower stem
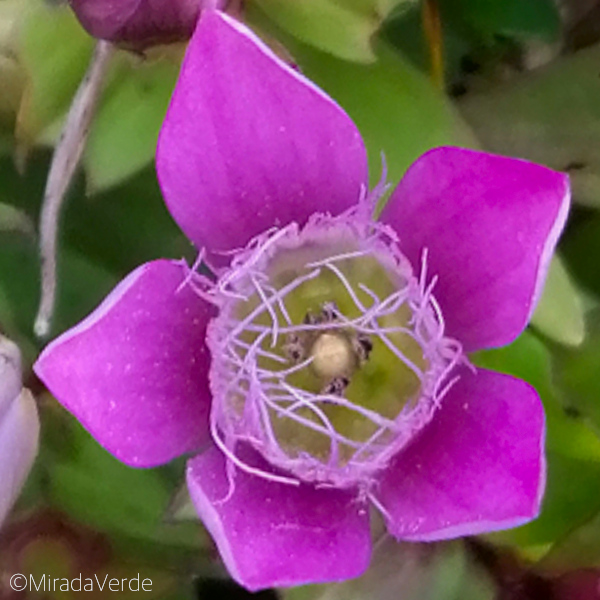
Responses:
[67,155]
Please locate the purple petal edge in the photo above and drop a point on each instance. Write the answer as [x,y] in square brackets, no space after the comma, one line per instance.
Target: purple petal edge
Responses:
[270,534]
[248,143]
[135,371]
[478,467]
[490,225]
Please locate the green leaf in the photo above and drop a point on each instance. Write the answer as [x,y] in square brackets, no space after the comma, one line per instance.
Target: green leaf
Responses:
[573,450]
[578,550]
[93,487]
[528,359]
[559,314]
[578,374]
[519,19]
[550,116]
[396,108]
[124,132]
[572,497]
[13,219]
[12,77]
[54,51]
[82,285]
[344,28]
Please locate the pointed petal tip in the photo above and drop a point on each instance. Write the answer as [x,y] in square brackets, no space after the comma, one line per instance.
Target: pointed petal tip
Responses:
[248,143]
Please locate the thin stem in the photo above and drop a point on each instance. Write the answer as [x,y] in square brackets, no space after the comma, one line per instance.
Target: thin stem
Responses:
[67,155]
[432,24]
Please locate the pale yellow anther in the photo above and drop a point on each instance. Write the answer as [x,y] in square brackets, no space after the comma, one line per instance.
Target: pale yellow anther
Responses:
[332,356]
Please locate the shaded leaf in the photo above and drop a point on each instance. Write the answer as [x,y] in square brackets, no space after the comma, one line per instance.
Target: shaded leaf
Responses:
[54,51]
[578,550]
[550,116]
[89,484]
[579,247]
[509,18]
[82,284]
[124,132]
[559,314]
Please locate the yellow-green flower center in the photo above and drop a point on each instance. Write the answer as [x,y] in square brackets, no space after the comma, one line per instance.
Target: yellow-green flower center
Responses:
[330,354]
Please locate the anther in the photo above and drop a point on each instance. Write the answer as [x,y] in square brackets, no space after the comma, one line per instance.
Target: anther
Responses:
[330,312]
[363,346]
[336,387]
[294,349]
[311,319]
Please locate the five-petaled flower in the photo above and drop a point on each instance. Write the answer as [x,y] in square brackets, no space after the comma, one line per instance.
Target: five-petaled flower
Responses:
[323,368]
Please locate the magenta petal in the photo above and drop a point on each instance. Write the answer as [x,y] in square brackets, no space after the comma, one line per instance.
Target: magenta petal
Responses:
[490,225]
[478,466]
[274,534]
[135,372]
[249,144]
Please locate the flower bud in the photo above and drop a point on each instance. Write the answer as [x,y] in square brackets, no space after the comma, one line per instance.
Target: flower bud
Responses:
[19,427]
[138,24]
[10,373]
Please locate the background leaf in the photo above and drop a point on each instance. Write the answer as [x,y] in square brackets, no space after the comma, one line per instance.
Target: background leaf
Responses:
[124,132]
[559,314]
[54,51]
[397,110]
[551,116]
[344,28]
[415,571]
[573,451]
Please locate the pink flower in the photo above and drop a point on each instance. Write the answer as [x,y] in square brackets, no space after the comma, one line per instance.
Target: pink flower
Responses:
[323,368]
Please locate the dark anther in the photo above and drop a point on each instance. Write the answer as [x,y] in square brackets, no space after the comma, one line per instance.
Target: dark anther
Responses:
[330,312]
[311,319]
[363,347]
[293,348]
[337,386]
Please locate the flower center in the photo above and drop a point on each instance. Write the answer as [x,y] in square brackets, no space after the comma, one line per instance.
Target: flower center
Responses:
[328,353]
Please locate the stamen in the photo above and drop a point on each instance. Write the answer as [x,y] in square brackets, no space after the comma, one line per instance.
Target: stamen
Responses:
[289,381]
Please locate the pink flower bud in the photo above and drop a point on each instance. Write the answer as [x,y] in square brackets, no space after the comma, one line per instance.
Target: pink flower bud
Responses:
[138,23]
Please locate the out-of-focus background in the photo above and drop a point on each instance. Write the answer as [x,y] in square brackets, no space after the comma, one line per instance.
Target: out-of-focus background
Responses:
[515,77]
